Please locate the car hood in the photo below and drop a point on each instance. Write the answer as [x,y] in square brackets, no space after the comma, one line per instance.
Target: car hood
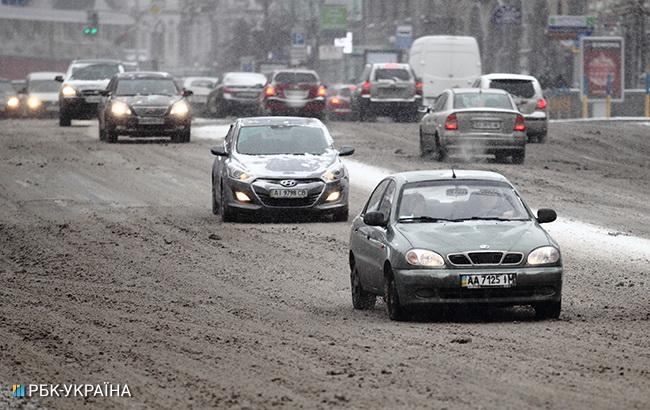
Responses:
[88,84]
[149,100]
[49,97]
[287,166]
[445,238]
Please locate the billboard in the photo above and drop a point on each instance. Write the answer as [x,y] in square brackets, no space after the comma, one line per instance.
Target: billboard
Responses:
[602,67]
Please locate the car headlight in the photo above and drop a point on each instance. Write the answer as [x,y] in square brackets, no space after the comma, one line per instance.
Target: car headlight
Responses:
[334,173]
[33,102]
[119,109]
[544,256]
[68,91]
[423,257]
[180,109]
[13,102]
[238,174]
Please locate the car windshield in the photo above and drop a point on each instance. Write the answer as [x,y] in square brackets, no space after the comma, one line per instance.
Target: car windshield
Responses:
[520,88]
[94,72]
[482,100]
[44,86]
[6,88]
[202,83]
[245,79]
[460,201]
[146,86]
[282,139]
[396,74]
[344,92]
[296,78]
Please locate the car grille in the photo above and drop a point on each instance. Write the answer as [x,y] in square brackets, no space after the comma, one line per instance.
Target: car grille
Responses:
[288,202]
[485,258]
[89,92]
[150,111]
[515,292]
[315,188]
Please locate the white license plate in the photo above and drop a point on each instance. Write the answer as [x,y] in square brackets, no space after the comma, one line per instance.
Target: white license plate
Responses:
[488,280]
[151,120]
[247,95]
[486,125]
[296,95]
[288,193]
[93,99]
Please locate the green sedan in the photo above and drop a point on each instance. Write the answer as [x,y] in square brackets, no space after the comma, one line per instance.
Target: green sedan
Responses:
[453,237]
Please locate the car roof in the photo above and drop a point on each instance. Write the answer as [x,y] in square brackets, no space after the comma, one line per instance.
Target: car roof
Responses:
[478,90]
[98,61]
[253,121]
[508,76]
[43,75]
[132,75]
[447,175]
[201,78]
[405,66]
[294,70]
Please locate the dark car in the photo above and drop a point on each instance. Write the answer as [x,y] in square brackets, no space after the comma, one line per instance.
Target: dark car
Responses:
[295,92]
[238,93]
[453,237]
[338,102]
[79,94]
[279,165]
[10,102]
[144,104]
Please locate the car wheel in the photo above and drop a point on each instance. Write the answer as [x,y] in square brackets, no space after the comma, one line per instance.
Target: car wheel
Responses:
[541,138]
[519,156]
[548,310]
[441,153]
[361,300]
[426,150]
[64,119]
[500,157]
[102,133]
[215,204]
[227,214]
[341,215]
[110,135]
[393,307]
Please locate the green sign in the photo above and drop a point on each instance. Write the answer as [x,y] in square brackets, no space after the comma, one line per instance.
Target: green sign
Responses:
[334,17]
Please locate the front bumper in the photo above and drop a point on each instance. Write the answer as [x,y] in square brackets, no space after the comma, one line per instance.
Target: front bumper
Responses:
[140,127]
[483,142]
[536,126]
[45,108]
[440,286]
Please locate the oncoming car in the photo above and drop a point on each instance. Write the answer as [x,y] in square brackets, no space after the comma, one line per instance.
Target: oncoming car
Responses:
[42,94]
[279,165]
[453,237]
[144,104]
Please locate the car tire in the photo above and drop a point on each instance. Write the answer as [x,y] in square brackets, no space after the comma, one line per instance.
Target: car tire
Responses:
[227,214]
[393,306]
[440,152]
[426,150]
[215,204]
[500,157]
[102,134]
[519,157]
[548,310]
[541,138]
[341,215]
[110,135]
[361,300]
[64,119]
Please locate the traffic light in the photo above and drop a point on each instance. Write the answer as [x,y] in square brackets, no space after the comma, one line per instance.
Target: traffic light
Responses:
[92,24]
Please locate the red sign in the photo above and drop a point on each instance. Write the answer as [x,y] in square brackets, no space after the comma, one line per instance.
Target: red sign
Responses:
[602,67]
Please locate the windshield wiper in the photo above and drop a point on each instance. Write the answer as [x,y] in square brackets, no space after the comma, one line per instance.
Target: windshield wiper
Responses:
[489,218]
[425,219]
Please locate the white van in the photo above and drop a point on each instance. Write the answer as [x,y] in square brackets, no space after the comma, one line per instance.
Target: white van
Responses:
[444,62]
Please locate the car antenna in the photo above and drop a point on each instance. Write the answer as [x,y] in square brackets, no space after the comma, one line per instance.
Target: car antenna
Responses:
[453,173]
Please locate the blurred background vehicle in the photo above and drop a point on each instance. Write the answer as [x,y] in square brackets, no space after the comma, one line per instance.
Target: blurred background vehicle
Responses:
[79,94]
[41,94]
[387,89]
[130,66]
[528,96]
[239,93]
[201,87]
[144,104]
[339,106]
[10,104]
[295,92]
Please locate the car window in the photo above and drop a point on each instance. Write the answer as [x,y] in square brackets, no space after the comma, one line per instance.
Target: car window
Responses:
[6,87]
[146,86]
[365,75]
[94,72]
[43,86]
[202,83]
[296,78]
[344,92]
[441,102]
[282,139]
[377,194]
[520,88]
[244,79]
[396,74]
[387,199]
[482,100]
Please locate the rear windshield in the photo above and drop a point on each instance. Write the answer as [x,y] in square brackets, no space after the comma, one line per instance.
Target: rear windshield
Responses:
[282,139]
[344,92]
[397,74]
[44,86]
[146,86]
[94,72]
[245,79]
[203,83]
[296,78]
[6,87]
[520,88]
[482,100]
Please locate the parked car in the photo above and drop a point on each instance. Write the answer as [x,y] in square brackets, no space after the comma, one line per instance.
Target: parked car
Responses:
[295,92]
[144,104]
[130,66]
[471,121]
[79,94]
[9,99]
[444,62]
[279,165]
[338,101]
[201,87]
[528,96]
[430,238]
[387,89]
[239,93]
[42,94]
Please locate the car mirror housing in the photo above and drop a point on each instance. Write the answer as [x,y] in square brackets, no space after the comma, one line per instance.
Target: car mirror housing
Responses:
[545,215]
[375,218]
[58,78]
[219,151]
[187,93]
[424,109]
[105,93]
[346,151]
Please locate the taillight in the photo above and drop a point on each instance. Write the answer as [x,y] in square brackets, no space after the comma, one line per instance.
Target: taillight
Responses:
[520,124]
[451,123]
[228,90]
[365,88]
[541,104]
[269,91]
[418,87]
[322,91]
[335,101]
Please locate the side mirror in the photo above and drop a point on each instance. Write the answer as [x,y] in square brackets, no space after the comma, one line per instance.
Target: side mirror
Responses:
[424,109]
[22,90]
[346,151]
[219,151]
[545,215]
[58,78]
[375,218]
[187,93]
[104,93]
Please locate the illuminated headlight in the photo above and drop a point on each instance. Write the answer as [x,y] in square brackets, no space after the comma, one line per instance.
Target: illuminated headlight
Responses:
[13,102]
[333,174]
[423,257]
[119,109]
[334,196]
[33,102]
[238,174]
[242,197]
[68,91]
[544,256]
[180,109]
